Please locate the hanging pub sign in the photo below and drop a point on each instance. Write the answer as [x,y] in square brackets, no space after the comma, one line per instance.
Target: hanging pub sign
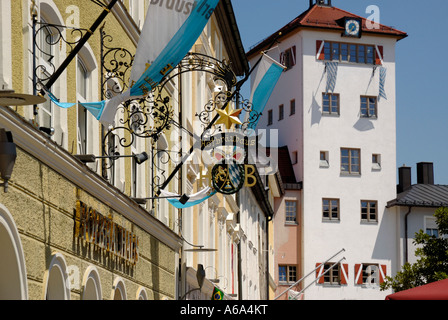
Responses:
[228,178]
[94,228]
[230,169]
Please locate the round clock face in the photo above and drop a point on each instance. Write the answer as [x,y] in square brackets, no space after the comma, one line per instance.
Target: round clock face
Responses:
[352,27]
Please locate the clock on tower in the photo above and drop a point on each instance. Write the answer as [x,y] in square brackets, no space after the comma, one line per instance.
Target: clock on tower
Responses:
[352,27]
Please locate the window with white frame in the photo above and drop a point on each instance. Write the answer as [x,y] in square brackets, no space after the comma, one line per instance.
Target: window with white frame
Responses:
[137,10]
[431,227]
[370,274]
[291,212]
[82,85]
[331,273]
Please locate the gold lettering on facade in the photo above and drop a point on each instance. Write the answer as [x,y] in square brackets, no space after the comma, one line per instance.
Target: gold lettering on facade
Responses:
[94,228]
[251,180]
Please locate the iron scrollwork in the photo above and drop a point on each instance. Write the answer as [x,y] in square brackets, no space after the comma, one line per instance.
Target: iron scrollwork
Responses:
[46,36]
[220,69]
[143,118]
[149,117]
[116,67]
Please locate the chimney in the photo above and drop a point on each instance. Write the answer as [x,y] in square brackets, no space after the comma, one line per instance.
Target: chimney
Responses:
[404,179]
[425,173]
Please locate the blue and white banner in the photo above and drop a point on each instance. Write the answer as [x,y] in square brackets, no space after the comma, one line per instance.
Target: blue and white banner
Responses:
[193,200]
[94,108]
[383,74]
[171,28]
[263,83]
[332,74]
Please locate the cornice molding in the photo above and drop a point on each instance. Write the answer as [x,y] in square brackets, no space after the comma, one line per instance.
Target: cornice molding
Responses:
[127,22]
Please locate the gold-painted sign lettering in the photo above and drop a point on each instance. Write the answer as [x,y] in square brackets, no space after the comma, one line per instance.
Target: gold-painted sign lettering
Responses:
[251,180]
[94,228]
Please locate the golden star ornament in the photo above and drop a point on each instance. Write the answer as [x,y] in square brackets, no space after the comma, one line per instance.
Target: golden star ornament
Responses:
[229,116]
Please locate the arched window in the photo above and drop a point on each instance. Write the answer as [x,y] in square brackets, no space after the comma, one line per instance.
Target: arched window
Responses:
[48,59]
[91,285]
[82,89]
[13,284]
[56,279]
[119,290]
[141,294]
[87,91]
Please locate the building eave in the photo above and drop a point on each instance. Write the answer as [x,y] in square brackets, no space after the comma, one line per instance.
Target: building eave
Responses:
[231,37]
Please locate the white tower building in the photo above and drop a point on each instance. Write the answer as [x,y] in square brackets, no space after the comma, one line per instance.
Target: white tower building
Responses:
[335,109]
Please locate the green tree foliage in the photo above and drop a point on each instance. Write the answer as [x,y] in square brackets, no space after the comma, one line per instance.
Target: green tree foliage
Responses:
[432,264]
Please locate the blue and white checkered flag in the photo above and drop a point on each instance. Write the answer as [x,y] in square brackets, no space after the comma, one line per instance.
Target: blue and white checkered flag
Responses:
[332,74]
[383,73]
[234,174]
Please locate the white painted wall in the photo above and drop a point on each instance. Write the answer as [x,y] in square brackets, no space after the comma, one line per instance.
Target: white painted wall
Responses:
[310,132]
[253,247]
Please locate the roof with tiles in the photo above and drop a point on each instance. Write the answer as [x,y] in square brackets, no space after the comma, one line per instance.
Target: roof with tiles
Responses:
[325,18]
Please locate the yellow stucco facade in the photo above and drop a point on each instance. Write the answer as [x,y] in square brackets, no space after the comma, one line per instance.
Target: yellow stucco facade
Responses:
[42,198]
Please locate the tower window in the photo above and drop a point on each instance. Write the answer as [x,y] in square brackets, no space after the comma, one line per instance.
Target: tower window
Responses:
[349,52]
[369,107]
[330,103]
[350,161]
[288,57]
[270,117]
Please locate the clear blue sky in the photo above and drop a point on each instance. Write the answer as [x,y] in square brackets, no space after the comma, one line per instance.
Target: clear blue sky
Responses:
[422,69]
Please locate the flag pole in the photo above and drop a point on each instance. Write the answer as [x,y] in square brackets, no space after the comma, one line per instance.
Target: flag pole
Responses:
[237,89]
[79,46]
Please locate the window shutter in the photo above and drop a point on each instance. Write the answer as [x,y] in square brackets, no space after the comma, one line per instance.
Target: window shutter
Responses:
[344,273]
[319,272]
[379,55]
[293,53]
[320,54]
[358,274]
[282,58]
[383,273]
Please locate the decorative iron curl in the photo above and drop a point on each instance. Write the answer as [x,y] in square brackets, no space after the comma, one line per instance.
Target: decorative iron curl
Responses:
[117,64]
[217,102]
[220,69]
[142,118]
[55,36]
